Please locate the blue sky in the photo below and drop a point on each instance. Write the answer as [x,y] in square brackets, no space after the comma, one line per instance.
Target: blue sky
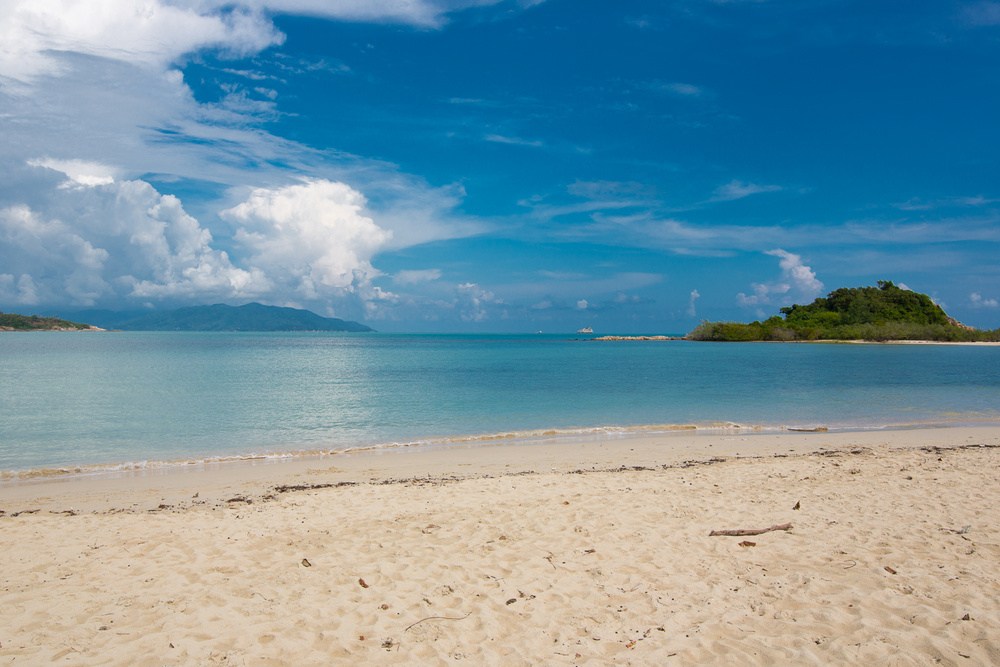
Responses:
[482,165]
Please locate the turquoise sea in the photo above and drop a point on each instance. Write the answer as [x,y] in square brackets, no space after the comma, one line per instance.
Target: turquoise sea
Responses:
[108,401]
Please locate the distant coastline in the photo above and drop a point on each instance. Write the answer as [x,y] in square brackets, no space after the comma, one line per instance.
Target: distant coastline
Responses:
[251,317]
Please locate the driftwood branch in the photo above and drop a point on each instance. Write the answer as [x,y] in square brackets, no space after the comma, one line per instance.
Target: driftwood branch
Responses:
[742,532]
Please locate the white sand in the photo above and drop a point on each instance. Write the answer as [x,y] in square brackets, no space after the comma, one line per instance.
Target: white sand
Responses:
[892,547]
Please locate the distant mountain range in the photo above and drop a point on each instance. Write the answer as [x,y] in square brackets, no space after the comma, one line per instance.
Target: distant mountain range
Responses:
[219,317]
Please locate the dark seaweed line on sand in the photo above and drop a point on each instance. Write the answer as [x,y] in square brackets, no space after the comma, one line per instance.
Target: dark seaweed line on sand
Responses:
[438,481]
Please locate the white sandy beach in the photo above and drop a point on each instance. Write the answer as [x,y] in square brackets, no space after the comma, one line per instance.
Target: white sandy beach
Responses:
[544,554]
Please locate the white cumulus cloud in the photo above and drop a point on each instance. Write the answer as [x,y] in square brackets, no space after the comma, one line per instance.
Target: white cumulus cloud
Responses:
[126,240]
[92,101]
[691,311]
[21,291]
[979,301]
[472,302]
[798,281]
[309,238]
[49,258]
[762,295]
[802,278]
[151,33]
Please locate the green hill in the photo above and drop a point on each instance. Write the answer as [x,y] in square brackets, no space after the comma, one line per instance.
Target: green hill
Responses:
[250,317]
[882,313]
[15,322]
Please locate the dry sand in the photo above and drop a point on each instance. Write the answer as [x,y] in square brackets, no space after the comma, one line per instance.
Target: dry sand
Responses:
[464,556]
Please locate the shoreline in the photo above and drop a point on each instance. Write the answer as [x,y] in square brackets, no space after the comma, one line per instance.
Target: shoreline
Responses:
[866,548]
[173,484]
[532,437]
[615,338]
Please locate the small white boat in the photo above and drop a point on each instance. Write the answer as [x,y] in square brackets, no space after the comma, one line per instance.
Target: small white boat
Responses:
[586,330]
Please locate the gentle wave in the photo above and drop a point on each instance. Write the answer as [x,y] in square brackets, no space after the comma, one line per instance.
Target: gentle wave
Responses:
[485,439]
[526,437]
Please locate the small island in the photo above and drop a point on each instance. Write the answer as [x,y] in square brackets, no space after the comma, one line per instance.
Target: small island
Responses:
[881,314]
[15,322]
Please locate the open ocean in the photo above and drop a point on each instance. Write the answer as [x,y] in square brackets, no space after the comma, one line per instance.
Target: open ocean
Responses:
[107,401]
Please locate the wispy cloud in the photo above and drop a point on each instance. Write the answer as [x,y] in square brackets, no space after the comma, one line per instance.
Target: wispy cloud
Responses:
[738,190]
[416,276]
[605,189]
[516,141]
[982,14]
[562,275]
[597,196]
[471,101]
[643,22]
[948,202]
[568,290]
[647,228]
[677,89]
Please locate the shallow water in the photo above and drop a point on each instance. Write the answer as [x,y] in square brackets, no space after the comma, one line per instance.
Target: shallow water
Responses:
[83,399]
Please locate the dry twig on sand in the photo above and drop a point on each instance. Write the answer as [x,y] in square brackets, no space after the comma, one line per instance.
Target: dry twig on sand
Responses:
[742,532]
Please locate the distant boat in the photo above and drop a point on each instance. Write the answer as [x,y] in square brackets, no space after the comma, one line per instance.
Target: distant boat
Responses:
[586,330]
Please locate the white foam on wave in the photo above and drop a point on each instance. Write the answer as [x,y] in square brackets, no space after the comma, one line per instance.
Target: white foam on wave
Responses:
[526,437]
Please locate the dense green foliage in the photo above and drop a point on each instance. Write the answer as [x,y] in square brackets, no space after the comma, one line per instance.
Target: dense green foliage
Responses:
[866,305]
[36,323]
[882,313]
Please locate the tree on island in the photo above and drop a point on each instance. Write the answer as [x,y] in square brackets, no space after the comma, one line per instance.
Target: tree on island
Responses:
[882,313]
